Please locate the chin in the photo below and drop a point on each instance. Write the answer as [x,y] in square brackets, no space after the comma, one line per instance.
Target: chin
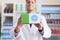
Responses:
[30,9]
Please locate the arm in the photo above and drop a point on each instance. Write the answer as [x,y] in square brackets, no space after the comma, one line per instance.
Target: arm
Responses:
[43,28]
[16,30]
[47,30]
[19,25]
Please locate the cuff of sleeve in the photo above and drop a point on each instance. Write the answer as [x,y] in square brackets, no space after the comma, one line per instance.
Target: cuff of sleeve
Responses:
[41,31]
[16,33]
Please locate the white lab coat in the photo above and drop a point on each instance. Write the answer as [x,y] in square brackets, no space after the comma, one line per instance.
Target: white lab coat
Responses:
[27,33]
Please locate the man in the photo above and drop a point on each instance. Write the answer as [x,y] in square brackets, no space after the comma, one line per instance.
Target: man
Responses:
[31,31]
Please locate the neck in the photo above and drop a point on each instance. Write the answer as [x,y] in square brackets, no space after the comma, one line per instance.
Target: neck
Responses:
[30,11]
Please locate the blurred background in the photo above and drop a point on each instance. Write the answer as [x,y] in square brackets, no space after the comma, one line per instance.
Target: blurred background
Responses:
[8,19]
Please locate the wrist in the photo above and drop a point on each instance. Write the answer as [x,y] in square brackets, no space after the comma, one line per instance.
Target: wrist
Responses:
[16,30]
[41,29]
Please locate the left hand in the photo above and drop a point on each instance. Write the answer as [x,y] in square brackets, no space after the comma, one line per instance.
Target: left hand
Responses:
[39,25]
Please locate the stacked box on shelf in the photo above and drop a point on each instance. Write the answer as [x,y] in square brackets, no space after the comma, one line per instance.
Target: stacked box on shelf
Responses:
[53,21]
[55,15]
[50,9]
[52,38]
[6,34]
[8,21]
[55,30]
[8,8]
[18,8]
[46,15]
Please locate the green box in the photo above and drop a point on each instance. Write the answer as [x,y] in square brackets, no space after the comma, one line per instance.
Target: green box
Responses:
[25,18]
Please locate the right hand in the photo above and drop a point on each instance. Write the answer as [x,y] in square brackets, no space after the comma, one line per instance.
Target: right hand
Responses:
[19,25]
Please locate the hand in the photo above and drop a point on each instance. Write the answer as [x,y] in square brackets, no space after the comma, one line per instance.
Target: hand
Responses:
[39,25]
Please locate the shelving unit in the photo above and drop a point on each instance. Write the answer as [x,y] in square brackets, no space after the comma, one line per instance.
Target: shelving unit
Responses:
[7,20]
[52,15]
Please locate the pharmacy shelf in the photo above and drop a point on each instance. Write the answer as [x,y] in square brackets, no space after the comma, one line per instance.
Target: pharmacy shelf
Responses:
[52,18]
[55,34]
[7,28]
[54,24]
[49,13]
[8,14]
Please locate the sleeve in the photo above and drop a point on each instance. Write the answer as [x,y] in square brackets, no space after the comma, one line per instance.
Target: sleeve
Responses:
[47,30]
[41,31]
[14,34]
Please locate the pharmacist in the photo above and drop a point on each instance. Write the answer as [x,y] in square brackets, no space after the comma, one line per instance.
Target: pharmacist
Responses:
[31,31]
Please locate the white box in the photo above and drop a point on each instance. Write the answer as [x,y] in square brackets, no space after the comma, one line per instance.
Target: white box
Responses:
[34,18]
